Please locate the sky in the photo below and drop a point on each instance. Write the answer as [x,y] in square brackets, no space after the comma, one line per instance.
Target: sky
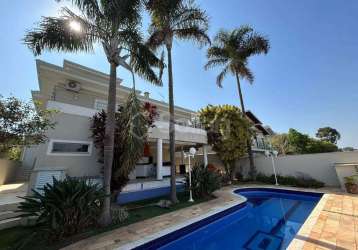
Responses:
[308,80]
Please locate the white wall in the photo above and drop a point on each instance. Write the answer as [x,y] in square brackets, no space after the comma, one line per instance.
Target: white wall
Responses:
[318,166]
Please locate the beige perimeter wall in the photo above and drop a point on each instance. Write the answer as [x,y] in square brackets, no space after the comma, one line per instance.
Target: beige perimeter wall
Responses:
[318,166]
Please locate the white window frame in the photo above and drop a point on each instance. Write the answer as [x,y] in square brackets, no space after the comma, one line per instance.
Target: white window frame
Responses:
[52,141]
[99,101]
[102,101]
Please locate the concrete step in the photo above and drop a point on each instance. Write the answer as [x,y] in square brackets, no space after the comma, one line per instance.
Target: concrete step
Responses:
[8,214]
[9,207]
[11,222]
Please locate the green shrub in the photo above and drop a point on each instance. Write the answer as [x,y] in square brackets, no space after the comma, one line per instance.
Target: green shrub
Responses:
[65,208]
[204,181]
[118,214]
[351,179]
[300,181]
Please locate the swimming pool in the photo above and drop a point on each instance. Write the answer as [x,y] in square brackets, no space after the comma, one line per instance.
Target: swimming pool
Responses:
[269,219]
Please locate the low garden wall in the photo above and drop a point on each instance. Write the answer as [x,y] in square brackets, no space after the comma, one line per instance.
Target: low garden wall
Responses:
[318,166]
[8,171]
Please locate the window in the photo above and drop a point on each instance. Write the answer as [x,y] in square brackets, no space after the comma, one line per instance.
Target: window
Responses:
[69,148]
[102,104]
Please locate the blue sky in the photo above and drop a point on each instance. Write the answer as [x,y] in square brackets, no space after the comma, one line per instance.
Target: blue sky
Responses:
[308,80]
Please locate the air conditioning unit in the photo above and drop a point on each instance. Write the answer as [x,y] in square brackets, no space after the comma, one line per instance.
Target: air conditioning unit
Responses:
[73,86]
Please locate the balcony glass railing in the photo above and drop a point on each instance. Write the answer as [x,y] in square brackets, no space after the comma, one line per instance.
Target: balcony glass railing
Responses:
[261,145]
[182,122]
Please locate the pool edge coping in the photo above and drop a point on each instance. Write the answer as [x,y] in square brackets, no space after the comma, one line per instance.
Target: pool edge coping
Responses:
[299,240]
[241,199]
[148,238]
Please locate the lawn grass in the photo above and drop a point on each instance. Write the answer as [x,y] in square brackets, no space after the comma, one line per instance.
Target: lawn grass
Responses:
[138,211]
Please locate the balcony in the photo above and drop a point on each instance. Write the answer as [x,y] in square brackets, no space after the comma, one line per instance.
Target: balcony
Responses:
[260,145]
[184,131]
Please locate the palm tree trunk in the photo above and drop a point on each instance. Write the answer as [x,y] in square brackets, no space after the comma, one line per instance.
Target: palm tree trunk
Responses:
[252,171]
[173,192]
[109,144]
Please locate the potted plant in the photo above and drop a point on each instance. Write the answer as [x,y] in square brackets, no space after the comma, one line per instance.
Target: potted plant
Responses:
[351,184]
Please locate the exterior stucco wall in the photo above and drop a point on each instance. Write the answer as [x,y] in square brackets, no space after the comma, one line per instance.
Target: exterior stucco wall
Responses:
[318,166]
[8,171]
[72,128]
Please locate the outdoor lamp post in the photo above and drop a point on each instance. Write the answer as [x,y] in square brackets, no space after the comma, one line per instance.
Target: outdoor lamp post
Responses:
[191,153]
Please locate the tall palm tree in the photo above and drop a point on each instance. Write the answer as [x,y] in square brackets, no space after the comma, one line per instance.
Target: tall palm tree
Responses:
[115,25]
[231,50]
[182,20]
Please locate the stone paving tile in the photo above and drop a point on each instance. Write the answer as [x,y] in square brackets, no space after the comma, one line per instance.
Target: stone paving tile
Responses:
[336,226]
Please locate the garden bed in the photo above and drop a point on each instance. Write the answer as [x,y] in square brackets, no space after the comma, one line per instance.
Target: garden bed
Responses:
[138,211]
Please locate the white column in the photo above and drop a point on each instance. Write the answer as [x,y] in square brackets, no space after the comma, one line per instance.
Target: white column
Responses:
[159,159]
[205,154]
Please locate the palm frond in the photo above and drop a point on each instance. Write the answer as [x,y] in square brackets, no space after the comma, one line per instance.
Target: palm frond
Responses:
[193,33]
[216,52]
[90,8]
[191,15]
[221,76]
[54,33]
[257,44]
[143,60]
[156,39]
[245,72]
[177,19]
[121,13]
[234,48]
[215,62]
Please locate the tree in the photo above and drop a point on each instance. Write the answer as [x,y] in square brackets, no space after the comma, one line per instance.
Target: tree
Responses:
[231,50]
[228,132]
[280,143]
[21,124]
[114,24]
[303,144]
[317,146]
[328,134]
[132,123]
[182,20]
[297,141]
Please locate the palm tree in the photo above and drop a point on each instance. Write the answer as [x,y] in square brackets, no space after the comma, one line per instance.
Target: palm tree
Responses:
[231,50]
[115,25]
[182,20]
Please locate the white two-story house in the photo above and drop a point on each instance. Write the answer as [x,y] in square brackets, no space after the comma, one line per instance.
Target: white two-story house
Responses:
[78,93]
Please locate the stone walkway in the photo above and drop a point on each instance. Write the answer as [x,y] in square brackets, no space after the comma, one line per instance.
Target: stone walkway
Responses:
[9,193]
[333,224]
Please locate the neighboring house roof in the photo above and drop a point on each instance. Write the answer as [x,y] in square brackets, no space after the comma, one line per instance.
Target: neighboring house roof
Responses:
[269,129]
[252,117]
[257,123]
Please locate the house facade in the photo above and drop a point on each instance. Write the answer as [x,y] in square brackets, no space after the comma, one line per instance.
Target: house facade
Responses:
[77,93]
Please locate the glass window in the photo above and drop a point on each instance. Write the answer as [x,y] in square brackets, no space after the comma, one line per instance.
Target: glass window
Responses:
[99,105]
[102,105]
[70,148]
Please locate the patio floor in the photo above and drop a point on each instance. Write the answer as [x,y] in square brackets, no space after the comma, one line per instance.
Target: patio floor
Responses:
[9,193]
[333,224]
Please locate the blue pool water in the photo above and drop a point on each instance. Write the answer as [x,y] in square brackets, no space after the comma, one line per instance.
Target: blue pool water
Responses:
[268,220]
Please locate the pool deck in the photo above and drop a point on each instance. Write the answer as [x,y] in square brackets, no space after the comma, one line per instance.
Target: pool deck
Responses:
[333,224]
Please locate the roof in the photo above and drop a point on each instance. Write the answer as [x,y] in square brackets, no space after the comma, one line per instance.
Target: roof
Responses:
[252,117]
[266,130]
